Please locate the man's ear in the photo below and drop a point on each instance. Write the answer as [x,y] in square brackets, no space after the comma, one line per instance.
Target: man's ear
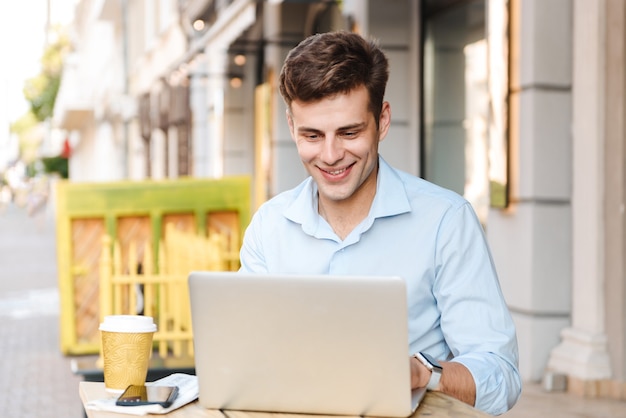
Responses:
[290,124]
[384,121]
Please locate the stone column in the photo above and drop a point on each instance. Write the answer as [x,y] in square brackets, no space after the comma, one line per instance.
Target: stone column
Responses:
[217,57]
[582,353]
[615,195]
[531,239]
[199,125]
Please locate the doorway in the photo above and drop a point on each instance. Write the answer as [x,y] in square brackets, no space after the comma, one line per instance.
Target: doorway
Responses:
[456,100]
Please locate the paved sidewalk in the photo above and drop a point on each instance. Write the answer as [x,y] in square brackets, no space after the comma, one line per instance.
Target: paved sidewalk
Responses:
[536,403]
[36,380]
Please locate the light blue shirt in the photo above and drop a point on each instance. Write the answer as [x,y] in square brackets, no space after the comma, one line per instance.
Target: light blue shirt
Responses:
[432,238]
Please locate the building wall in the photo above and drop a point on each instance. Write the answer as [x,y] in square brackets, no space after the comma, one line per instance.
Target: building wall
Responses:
[154,41]
[283,23]
[89,87]
[531,240]
[591,352]
[394,24]
[239,121]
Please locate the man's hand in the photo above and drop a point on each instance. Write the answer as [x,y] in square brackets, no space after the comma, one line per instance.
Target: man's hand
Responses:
[420,375]
[456,380]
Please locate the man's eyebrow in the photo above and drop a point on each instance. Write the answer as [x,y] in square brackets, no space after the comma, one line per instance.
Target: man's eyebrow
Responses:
[307,129]
[353,126]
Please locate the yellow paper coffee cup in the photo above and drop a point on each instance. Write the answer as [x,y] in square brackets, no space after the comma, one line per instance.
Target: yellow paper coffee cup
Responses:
[126,350]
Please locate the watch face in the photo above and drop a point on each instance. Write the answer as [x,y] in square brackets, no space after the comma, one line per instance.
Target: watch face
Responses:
[430,362]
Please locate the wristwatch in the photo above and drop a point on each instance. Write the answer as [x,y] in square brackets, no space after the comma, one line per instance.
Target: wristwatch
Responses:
[432,365]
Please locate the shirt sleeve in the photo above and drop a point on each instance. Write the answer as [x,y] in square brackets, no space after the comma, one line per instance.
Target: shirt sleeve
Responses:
[475,319]
[251,253]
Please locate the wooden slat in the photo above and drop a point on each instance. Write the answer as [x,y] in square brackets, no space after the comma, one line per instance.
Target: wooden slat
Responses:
[86,248]
[164,292]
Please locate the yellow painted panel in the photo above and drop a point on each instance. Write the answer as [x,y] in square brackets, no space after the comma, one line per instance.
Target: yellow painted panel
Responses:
[128,210]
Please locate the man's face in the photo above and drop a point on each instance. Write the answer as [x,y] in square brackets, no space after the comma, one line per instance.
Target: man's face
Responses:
[337,140]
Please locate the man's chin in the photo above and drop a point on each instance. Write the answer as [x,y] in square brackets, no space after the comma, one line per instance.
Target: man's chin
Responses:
[334,194]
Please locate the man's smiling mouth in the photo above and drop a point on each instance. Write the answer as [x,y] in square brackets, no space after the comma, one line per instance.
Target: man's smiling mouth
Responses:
[337,172]
[334,173]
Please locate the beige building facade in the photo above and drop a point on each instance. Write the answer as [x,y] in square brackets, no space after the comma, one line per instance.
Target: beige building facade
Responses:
[516,104]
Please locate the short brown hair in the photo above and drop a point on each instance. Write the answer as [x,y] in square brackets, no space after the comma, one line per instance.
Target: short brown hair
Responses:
[331,63]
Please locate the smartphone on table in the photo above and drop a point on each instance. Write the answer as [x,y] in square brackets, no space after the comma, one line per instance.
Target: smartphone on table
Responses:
[148,395]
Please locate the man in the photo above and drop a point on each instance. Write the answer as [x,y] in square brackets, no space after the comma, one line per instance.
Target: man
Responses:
[355,214]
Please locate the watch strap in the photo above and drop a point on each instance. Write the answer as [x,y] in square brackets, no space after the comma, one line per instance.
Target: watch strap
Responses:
[433,382]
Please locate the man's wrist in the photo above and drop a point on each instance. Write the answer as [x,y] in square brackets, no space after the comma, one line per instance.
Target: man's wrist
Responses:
[433,366]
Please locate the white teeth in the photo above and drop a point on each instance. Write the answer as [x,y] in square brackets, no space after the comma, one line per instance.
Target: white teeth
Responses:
[334,173]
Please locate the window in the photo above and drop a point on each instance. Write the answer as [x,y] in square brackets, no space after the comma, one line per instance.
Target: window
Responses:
[464,120]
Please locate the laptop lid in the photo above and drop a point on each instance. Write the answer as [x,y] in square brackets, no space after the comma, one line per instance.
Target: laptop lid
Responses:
[302,344]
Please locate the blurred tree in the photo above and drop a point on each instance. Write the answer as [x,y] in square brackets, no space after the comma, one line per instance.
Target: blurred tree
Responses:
[41,90]
[26,128]
[56,165]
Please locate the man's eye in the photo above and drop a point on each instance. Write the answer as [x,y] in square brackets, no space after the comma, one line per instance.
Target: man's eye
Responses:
[312,137]
[350,134]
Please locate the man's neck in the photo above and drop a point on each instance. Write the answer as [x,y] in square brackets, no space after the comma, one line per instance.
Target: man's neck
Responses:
[343,216]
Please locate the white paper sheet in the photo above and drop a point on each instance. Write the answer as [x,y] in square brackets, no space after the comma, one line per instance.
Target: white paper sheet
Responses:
[187,392]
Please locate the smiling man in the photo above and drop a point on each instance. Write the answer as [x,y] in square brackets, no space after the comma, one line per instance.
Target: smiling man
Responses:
[337,139]
[357,215]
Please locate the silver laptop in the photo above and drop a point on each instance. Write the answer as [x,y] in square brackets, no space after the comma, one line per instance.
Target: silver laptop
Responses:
[302,344]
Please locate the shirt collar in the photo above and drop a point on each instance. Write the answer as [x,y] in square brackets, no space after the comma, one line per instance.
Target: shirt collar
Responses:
[390,199]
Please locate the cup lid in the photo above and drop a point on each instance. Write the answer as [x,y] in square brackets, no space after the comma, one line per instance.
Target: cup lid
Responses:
[128,323]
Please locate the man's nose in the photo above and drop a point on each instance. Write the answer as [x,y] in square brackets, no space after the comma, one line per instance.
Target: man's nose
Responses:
[332,150]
